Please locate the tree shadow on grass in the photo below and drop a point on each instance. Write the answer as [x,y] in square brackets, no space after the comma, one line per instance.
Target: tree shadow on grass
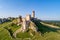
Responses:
[43,29]
[10,31]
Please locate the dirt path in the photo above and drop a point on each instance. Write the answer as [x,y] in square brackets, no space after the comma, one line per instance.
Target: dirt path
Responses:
[50,25]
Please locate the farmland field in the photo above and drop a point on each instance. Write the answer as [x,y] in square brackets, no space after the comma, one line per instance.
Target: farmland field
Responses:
[57,23]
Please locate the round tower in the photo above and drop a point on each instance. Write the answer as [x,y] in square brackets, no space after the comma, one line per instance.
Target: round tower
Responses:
[33,14]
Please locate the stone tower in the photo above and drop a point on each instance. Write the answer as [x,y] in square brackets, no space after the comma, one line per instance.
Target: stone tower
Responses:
[33,14]
[28,17]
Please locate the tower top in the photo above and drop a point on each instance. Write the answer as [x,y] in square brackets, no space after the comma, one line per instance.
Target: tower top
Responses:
[33,14]
[33,11]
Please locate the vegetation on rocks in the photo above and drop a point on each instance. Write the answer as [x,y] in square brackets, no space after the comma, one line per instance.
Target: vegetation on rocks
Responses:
[44,33]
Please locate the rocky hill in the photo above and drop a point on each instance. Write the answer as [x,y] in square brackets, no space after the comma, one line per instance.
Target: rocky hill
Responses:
[43,33]
[28,28]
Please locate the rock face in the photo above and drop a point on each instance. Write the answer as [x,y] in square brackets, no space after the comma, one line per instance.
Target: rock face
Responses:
[33,26]
[19,20]
[28,17]
[26,24]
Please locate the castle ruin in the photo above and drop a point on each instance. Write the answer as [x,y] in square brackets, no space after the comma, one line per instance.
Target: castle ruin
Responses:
[26,23]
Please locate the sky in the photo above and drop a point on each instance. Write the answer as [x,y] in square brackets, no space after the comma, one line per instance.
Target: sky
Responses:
[44,9]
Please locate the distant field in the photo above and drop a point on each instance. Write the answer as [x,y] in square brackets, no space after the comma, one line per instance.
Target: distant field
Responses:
[57,23]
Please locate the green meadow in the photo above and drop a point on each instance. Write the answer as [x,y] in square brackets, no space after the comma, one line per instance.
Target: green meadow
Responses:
[44,33]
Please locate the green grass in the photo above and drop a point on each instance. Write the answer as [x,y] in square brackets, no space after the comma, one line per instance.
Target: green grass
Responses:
[46,33]
[13,27]
[4,34]
[24,35]
[52,36]
[55,23]
[4,24]
[43,29]
[7,29]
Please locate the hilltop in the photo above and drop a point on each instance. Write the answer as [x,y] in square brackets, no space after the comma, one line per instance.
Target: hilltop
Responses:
[44,32]
[29,28]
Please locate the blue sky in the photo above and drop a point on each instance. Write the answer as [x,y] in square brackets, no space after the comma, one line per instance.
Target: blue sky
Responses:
[44,9]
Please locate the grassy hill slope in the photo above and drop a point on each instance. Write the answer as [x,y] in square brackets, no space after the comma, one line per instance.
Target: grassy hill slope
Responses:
[44,32]
[4,34]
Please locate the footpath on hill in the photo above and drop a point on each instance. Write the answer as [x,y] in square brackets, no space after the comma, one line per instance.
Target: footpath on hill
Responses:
[57,27]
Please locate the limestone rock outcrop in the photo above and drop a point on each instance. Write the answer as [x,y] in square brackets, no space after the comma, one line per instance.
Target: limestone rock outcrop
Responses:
[26,24]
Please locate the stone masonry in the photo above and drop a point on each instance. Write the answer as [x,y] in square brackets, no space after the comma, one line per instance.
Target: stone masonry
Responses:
[25,23]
